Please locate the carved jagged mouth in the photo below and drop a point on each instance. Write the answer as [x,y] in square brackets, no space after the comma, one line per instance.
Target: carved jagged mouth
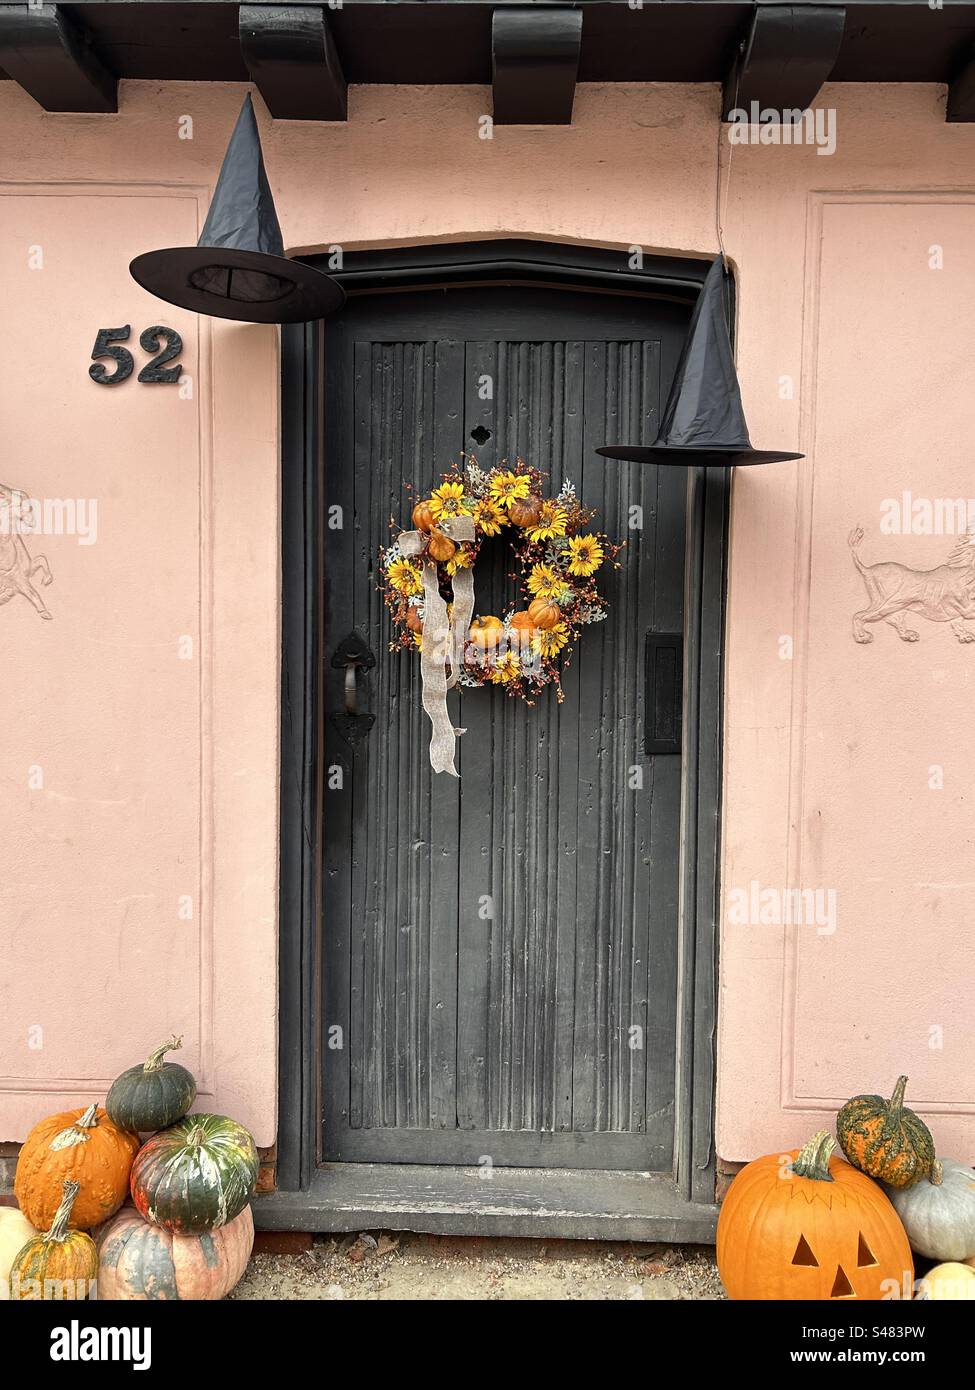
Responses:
[842,1288]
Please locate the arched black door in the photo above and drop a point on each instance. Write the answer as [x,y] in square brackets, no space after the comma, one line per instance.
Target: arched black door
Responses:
[499,954]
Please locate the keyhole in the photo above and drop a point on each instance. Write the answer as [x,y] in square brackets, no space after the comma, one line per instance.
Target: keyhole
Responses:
[480,435]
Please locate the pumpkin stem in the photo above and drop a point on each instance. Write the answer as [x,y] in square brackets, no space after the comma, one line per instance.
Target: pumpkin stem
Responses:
[937,1173]
[87,1120]
[197,1135]
[59,1226]
[897,1099]
[812,1160]
[155,1059]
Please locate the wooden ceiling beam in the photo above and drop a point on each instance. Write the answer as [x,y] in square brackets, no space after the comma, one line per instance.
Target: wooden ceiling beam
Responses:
[535,56]
[786,56]
[292,59]
[961,92]
[51,56]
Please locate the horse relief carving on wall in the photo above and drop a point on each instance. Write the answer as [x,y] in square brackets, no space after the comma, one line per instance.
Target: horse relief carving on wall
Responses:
[18,569]
[945,594]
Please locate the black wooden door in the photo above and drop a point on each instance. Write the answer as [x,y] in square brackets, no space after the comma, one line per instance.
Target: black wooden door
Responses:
[499,952]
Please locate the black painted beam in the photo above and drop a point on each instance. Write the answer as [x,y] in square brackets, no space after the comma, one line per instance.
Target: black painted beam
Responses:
[291,57]
[51,56]
[961,92]
[786,56]
[535,62]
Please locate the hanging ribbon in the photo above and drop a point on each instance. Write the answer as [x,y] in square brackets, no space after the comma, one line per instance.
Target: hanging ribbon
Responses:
[444,637]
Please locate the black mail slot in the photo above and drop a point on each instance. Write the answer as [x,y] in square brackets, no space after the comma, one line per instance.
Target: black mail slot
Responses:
[664,692]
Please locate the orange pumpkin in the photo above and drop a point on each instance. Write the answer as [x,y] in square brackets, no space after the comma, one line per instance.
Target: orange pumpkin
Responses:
[486,632]
[423,518]
[523,630]
[544,613]
[525,511]
[521,622]
[81,1144]
[813,1228]
[440,547]
[413,620]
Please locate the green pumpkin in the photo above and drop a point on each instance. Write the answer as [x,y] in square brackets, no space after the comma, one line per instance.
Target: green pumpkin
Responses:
[196,1175]
[153,1096]
[884,1139]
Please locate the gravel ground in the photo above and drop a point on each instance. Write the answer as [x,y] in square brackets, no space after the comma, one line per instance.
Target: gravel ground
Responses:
[398,1265]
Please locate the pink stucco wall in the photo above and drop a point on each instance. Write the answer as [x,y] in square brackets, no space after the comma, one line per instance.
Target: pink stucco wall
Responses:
[159,772]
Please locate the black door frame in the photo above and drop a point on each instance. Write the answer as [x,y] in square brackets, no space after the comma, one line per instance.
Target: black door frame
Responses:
[686,1208]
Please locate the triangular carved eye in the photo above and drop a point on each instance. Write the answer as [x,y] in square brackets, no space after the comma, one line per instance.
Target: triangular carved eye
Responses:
[803,1255]
[865,1255]
[841,1285]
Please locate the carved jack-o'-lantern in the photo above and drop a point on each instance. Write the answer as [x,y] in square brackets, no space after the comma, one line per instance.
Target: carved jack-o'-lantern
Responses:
[814,1228]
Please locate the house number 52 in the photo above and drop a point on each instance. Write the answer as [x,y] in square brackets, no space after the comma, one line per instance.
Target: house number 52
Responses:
[150,340]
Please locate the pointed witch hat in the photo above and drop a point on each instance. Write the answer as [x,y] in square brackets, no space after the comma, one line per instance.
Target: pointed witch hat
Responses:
[703,422]
[239,269]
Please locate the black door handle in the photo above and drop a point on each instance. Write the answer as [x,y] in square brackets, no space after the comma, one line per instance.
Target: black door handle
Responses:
[352,656]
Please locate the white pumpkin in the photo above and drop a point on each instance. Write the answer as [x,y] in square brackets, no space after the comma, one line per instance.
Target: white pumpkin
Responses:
[15,1232]
[938,1214]
[948,1281]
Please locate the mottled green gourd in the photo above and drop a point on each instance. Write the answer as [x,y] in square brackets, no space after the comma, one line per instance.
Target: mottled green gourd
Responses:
[138,1260]
[886,1140]
[152,1096]
[196,1175]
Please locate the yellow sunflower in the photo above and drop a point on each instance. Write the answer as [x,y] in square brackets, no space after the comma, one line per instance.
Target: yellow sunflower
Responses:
[507,669]
[553,639]
[448,500]
[508,487]
[552,522]
[586,555]
[545,581]
[489,517]
[462,559]
[418,641]
[405,577]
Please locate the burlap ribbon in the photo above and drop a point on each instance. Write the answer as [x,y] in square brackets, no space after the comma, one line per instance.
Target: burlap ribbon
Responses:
[442,653]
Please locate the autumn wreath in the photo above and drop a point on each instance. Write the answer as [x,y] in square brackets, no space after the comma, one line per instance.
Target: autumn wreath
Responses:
[427,583]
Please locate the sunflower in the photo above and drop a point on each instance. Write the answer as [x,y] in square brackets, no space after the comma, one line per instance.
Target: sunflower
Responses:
[545,581]
[418,641]
[489,517]
[405,577]
[448,500]
[553,639]
[586,555]
[551,523]
[508,487]
[506,669]
[462,559]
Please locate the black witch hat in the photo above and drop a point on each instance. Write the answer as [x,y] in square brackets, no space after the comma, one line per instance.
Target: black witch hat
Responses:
[704,422]
[239,269]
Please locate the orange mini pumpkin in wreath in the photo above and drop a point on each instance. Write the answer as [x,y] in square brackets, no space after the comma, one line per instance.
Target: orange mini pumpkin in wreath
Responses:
[427,581]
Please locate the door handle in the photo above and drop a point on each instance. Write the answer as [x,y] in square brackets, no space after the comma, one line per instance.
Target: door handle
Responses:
[352,655]
[351,687]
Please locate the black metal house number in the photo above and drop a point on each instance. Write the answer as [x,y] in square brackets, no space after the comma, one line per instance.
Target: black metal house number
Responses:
[150,340]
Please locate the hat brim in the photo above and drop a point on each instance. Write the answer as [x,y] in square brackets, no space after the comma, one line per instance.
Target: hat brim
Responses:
[669,456]
[269,289]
